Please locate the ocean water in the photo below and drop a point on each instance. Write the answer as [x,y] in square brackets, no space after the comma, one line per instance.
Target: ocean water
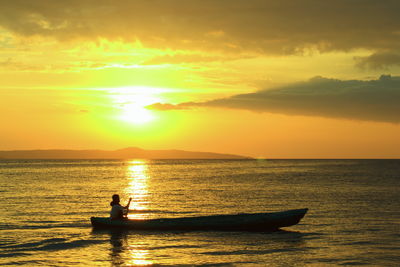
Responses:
[353,218]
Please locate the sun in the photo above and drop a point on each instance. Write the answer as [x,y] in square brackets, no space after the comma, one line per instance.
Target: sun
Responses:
[136,113]
[132,102]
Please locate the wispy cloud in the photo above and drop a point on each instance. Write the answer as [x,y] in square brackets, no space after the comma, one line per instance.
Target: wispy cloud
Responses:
[183,59]
[11,64]
[373,100]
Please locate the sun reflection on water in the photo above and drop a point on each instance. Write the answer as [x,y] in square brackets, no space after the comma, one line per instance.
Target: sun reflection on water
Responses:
[138,180]
[138,189]
[139,256]
[124,253]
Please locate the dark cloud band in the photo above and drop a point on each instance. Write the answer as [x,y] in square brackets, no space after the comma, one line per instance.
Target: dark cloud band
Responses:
[380,60]
[274,27]
[374,100]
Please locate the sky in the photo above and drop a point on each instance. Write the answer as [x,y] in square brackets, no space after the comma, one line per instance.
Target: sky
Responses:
[266,79]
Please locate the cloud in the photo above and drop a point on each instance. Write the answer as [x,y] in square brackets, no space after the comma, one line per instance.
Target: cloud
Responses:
[11,64]
[167,106]
[270,27]
[183,59]
[374,100]
[380,60]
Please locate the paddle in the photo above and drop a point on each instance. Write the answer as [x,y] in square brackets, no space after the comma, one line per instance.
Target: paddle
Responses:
[127,206]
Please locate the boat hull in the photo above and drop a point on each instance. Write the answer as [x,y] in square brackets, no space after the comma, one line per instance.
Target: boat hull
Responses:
[235,222]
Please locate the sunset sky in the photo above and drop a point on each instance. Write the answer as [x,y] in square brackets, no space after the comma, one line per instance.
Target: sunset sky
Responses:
[273,79]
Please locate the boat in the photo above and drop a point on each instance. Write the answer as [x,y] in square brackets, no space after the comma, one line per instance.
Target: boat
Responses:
[232,222]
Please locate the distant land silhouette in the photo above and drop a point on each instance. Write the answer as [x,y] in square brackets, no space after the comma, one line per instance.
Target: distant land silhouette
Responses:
[126,153]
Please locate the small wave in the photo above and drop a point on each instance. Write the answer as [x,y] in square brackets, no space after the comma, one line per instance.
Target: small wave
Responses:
[40,222]
[26,263]
[34,244]
[77,212]
[309,235]
[358,263]
[5,226]
[24,227]
[250,252]
[174,247]
[45,225]
[12,254]
[27,227]
[51,245]
[360,243]
[69,245]
[72,225]
[222,264]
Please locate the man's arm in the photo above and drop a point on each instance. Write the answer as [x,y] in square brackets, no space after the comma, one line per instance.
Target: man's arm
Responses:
[127,205]
[126,208]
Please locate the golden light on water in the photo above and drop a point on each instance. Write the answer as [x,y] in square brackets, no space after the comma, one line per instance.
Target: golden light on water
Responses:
[138,188]
[139,256]
[122,248]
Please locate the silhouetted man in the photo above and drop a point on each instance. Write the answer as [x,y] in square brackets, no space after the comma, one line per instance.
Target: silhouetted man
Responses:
[117,211]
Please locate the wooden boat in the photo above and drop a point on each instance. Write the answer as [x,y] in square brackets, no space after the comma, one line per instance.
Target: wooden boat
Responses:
[235,222]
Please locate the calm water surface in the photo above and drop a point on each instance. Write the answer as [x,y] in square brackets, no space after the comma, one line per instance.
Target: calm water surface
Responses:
[354,216]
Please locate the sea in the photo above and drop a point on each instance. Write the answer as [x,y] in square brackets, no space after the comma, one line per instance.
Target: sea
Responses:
[353,217]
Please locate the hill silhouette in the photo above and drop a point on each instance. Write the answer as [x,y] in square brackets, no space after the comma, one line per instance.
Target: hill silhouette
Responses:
[125,153]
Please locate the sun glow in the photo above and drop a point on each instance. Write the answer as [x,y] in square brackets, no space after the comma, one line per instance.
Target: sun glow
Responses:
[136,114]
[132,102]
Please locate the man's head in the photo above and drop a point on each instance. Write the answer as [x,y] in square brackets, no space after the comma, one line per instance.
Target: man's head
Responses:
[115,198]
